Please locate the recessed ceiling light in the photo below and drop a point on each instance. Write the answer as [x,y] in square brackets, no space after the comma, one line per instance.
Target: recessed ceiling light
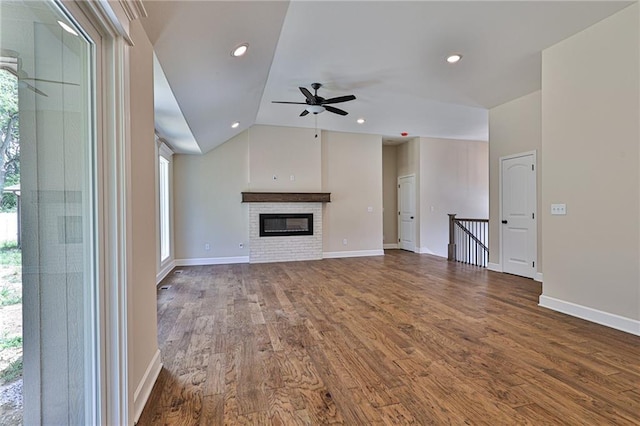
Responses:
[67,28]
[360,120]
[235,125]
[452,59]
[240,50]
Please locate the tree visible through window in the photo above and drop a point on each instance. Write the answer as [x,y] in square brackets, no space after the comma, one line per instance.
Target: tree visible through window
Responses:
[10,253]
[9,138]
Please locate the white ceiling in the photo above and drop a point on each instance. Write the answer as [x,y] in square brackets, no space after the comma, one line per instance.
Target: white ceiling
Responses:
[389,54]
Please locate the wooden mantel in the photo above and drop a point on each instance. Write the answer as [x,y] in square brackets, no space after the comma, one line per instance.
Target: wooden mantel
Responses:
[286,197]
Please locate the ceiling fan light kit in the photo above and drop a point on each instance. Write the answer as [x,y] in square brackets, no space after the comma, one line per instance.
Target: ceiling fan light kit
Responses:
[317,104]
[315,109]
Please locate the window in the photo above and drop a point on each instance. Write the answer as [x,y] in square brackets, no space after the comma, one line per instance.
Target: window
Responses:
[163,178]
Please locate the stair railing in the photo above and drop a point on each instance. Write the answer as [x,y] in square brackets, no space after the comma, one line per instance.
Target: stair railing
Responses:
[468,240]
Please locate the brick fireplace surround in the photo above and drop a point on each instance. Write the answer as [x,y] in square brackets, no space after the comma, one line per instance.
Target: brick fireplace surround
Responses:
[284,248]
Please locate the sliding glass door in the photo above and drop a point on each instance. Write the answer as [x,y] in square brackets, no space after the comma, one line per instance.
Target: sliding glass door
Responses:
[53,61]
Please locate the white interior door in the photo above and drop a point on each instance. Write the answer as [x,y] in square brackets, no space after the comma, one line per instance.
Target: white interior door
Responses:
[407,213]
[518,184]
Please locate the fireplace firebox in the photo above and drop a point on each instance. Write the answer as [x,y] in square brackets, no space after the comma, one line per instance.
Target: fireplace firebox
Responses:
[286,224]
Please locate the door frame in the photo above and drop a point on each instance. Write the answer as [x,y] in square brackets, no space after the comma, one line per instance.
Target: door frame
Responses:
[398,204]
[533,153]
[111,21]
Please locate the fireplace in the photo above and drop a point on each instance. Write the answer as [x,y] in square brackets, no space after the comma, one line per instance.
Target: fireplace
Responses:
[298,228]
[285,224]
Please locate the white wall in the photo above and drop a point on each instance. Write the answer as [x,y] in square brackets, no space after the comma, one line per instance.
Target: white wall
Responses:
[143,341]
[454,178]
[408,163]
[352,172]
[514,127]
[284,152]
[208,207]
[591,162]
[390,194]
[208,204]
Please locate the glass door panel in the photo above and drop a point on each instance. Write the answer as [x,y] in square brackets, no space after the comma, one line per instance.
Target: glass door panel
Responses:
[52,60]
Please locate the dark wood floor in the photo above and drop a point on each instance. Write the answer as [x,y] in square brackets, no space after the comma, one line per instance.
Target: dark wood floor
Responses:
[398,339]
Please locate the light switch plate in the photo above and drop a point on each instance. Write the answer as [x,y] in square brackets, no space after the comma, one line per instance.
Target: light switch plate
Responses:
[558,209]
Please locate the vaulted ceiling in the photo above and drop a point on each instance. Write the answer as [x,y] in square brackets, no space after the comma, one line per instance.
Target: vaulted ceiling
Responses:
[389,54]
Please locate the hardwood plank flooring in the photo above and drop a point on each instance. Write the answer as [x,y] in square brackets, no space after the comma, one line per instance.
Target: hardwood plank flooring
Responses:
[399,339]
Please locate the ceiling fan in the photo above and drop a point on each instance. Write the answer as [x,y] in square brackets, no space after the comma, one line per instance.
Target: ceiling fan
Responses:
[10,61]
[317,104]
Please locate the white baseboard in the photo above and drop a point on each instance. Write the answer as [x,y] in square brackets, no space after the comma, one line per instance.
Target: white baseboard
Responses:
[358,253]
[423,250]
[255,262]
[164,271]
[146,385]
[212,261]
[594,315]
[390,246]
[538,277]
[495,267]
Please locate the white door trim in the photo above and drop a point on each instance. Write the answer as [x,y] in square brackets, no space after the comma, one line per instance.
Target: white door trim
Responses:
[537,216]
[112,20]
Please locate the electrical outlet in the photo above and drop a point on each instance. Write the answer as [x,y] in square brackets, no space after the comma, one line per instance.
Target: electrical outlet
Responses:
[207,246]
[559,209]
[292,177]
[344,242]
[370,209]
[241,245]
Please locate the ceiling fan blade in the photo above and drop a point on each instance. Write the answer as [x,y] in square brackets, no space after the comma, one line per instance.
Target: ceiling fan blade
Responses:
[286,102]
[307,94]
[335,110]
[24,83]
[338,99]
[303,113]
[33,89]
[51,81]
[11,70]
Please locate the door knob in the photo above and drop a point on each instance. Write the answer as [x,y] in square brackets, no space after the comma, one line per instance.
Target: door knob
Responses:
[411,217]
[504,221]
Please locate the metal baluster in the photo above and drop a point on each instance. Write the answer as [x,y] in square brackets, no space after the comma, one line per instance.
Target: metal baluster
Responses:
[469,244]
[461,245]
[461,249]
[475,233]
[457,234]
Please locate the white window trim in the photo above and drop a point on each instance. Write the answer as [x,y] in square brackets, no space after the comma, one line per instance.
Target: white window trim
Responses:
[164,266]
[164,222]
